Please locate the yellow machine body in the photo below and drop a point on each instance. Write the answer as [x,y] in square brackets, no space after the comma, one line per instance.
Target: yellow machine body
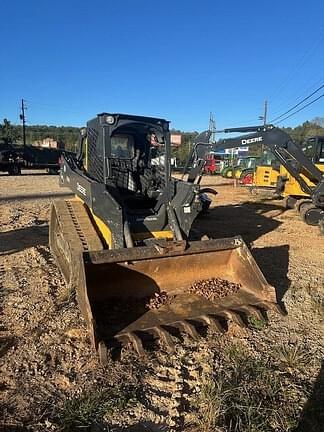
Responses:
[292,187]
[265,176]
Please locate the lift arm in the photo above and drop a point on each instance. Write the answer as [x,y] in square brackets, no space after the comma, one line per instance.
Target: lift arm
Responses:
[196,157]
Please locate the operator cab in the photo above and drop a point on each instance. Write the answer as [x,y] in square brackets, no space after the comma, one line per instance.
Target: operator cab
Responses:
[129,154]
[314,149]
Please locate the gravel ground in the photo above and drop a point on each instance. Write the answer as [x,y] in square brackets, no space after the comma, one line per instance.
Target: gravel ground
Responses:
[45,356]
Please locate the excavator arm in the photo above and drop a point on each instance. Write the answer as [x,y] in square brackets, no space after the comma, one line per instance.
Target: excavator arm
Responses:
[289,154]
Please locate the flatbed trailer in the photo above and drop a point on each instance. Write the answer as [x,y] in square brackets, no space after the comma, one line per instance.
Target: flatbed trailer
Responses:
[14,158]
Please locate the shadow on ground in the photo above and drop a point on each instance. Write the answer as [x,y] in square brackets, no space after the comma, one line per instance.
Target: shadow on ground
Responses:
[274,262]
[251,221]
[17,240]
[312,417]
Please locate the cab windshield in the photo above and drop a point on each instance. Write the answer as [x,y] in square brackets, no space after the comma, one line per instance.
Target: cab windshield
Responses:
[122,146]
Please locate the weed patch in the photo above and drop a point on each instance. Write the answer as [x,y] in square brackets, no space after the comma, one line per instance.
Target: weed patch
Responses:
[93,406]
[246,394]
[256,323]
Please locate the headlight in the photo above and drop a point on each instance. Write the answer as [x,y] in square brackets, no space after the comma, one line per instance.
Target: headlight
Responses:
[110,120]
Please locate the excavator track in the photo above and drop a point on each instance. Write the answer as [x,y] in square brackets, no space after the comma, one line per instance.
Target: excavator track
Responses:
[311,214]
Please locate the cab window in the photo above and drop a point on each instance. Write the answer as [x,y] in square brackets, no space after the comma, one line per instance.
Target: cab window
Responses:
[321,151]
[122,146]
[308,148]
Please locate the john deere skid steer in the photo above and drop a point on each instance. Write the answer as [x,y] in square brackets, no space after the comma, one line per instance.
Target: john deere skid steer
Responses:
[123,243]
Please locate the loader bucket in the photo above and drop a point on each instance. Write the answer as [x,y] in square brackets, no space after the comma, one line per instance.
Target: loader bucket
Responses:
[131,295]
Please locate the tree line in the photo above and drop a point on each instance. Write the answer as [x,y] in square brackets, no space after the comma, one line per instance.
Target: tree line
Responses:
[68,136]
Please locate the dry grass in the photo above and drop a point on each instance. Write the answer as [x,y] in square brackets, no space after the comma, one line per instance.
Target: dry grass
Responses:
[292,357]
[94,407]
[246,394]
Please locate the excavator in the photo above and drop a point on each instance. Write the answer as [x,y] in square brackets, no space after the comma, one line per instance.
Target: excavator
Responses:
[123,243]
[289,187]
[294,160]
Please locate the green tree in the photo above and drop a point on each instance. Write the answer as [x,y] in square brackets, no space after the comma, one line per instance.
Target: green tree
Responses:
[8,133]
[181,153]
[300,133]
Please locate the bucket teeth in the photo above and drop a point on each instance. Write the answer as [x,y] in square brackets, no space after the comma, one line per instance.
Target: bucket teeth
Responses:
[132,338]
[165,337]
[252,311]
[217,322]
[275,307]
[233,316]
[188,328]
[213,323]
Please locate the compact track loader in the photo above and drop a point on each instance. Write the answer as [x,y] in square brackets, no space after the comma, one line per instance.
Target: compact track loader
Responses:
[123,243]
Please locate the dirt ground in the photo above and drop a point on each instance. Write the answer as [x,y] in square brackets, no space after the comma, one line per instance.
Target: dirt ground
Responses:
[51,379]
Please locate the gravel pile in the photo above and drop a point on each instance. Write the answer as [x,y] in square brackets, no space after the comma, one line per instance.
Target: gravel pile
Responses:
[159,299]
[214,288]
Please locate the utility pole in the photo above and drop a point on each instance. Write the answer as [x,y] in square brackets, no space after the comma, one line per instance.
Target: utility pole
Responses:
[23,119]
[265,112]
[264,118]
[212,126]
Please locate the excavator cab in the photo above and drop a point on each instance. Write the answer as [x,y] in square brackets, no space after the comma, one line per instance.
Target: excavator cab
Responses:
[123,244]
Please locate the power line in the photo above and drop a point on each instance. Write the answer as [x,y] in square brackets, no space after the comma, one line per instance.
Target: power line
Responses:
[297,95]
[298,67]
[300,109]
[299,103]
[245,122]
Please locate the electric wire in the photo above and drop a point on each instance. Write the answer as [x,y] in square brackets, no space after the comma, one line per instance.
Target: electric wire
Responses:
[296,96]
[299,103]
[300,109]
[303,60]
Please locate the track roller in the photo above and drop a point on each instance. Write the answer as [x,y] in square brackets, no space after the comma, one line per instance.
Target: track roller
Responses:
[289,202]
[301,203]
[311,214]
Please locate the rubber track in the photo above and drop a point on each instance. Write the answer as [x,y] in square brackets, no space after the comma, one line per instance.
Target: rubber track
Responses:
[76,226]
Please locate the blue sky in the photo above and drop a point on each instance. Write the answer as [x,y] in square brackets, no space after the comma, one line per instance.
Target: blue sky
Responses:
[176,59]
